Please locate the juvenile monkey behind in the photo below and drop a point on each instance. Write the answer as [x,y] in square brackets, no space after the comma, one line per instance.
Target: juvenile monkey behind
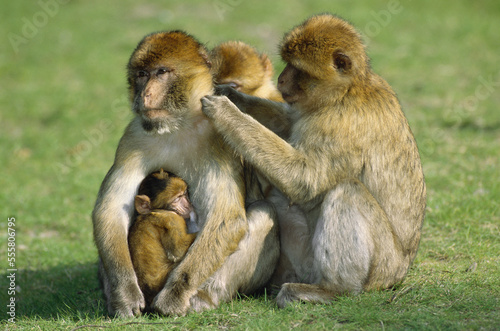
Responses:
[242,67]
[245,69]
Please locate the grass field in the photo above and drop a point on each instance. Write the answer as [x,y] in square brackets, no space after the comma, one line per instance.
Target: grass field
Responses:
[64,106]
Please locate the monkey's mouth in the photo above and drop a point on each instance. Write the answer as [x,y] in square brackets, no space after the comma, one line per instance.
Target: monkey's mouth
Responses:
[154,113]
[290,98]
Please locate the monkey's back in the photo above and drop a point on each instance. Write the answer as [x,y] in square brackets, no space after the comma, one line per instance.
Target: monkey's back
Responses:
[149,255]
[392,169]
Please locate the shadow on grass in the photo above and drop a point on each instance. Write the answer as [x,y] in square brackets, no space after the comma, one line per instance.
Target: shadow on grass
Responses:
[471,125]
[70,291]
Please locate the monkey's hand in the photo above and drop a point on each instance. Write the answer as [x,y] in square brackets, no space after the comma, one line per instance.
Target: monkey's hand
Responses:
[214,106]
[229,109]
[126,301]
[237,97]
[224,89]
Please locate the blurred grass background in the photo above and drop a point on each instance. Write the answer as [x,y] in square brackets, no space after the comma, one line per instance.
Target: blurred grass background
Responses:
[63,108]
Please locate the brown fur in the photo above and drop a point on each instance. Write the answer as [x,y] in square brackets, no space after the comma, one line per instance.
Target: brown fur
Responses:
[157,242]
[162,188]
[241,66]
[168,73]
[246,70]
[351,191]
[158,238]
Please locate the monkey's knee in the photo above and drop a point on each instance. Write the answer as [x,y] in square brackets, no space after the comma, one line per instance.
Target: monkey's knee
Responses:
[263,226]
[263,211]
[251,267]
[262,220]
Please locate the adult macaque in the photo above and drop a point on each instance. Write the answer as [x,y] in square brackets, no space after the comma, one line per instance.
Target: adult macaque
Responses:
[353,192]
[158,239]
[168,73]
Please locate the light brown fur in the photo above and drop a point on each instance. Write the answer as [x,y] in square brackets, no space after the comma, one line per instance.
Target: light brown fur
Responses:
[349,179]
[158,238]
[245,69]
[242,67]
[168,73]
[157,242]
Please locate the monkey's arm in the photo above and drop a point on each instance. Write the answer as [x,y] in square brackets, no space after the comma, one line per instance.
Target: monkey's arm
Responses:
[298,174]
[111,219]
[275,116]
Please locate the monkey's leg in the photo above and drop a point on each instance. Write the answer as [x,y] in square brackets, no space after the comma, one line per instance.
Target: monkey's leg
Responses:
[250,267]
[354,248]
[296,256]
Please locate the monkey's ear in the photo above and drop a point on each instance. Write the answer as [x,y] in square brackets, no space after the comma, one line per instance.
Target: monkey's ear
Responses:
[163,174]
[207,60]
[142,204]
[266,65]
[341,62]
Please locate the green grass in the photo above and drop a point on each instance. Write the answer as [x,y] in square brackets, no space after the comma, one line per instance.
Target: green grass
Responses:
[63,109]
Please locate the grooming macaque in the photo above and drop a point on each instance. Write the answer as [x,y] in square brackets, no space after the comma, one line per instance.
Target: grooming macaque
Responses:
[350,192]
[158,238]
[168,73]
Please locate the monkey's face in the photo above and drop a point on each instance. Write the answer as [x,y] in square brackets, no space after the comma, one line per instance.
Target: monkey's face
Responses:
[166,73]
[289,84]
[325,57]
[166,191]
[159,98]
[174,197]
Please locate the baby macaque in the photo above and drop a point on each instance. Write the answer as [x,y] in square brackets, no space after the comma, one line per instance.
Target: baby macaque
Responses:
[160,236]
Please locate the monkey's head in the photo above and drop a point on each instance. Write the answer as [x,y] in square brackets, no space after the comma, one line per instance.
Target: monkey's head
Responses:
[325,53]
[241,66]
[168,73]
[166,191]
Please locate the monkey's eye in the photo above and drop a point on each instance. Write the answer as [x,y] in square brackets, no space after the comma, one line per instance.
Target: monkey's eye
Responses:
[163,70]
[142,73]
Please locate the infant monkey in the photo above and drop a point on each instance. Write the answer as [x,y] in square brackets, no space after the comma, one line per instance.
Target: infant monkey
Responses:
[159,238]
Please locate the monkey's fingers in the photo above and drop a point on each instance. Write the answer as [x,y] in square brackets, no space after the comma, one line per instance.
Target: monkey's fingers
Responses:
[131,304]
[213,104]
[224,89]
[208,105]
[171,302]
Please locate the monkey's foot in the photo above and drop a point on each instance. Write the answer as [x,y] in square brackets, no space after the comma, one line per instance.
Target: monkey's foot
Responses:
[171,302]
[291,292]
[201,301]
